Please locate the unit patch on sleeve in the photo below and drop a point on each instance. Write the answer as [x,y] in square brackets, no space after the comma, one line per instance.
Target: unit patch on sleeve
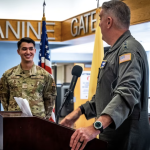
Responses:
[124,58]
[103,63]
[53,84]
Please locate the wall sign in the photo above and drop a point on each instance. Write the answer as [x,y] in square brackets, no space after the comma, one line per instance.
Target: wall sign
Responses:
[82,25]
[84,84]
[17,29]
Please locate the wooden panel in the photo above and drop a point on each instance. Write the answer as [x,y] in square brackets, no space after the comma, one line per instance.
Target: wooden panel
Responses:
[140,10]
[57,33]
[66,26]
[11,36]
[21,132]
[81,122]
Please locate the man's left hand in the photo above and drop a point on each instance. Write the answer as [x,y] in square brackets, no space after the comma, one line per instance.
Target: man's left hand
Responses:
[81,136]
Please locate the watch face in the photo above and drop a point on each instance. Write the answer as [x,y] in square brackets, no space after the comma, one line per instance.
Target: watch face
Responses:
[98,125]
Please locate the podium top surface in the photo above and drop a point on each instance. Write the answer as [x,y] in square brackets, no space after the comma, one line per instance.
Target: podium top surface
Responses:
[6,114]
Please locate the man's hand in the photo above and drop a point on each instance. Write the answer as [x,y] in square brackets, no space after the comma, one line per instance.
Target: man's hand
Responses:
[82,136]
[70,119]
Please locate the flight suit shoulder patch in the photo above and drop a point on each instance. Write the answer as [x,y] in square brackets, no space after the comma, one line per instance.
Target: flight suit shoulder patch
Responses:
[124,58]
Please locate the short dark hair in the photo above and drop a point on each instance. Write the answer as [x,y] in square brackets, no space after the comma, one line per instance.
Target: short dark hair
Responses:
[27,40]
[120,10]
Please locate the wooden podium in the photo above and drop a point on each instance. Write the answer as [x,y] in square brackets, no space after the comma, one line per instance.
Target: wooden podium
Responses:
[20,132]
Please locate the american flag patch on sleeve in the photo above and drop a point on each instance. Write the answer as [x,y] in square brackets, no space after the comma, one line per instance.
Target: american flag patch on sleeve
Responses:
[124,58]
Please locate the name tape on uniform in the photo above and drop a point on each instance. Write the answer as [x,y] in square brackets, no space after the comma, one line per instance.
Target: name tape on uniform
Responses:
[24,86]
[124,58]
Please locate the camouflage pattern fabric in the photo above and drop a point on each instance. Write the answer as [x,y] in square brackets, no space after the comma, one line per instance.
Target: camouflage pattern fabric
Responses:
[36,85]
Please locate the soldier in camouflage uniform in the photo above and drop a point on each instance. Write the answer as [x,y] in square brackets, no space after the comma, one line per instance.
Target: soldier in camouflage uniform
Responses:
[28,81]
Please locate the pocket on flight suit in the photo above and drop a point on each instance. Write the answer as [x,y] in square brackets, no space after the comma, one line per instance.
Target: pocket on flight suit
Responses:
[102,72]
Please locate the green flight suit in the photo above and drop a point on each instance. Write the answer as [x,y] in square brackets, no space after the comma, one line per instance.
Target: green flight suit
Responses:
[35,85]
[122,93]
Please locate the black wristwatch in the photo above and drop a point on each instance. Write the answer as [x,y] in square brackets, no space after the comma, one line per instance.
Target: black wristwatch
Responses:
[98,126]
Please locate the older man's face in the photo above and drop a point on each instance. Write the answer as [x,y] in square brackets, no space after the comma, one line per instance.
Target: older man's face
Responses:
[103,24]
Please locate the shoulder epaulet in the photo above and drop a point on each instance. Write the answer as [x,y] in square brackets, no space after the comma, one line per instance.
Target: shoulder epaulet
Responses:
[9,71]
[125,45]
[42,70]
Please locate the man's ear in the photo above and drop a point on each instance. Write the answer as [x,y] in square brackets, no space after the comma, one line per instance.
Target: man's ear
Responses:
[18,51]
[109,22]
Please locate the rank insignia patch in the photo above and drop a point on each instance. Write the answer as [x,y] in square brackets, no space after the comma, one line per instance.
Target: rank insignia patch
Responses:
[124,58]
[103,63]
[24,86]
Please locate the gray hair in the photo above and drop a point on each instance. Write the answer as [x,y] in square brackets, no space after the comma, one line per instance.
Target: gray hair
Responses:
[120,11]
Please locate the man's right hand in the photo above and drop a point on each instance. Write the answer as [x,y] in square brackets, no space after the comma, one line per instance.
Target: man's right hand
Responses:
[70,119]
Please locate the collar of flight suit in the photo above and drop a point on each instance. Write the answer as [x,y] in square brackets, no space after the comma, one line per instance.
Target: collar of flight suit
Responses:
[121,39]
[32,71]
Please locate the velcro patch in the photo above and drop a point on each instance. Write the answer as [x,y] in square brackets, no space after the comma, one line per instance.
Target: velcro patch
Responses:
[15,77]
[24,86]
[37,77]
[103,63]
[53,84]
[124,58]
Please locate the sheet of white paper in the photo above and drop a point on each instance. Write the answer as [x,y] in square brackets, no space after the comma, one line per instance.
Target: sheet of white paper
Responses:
[24,105]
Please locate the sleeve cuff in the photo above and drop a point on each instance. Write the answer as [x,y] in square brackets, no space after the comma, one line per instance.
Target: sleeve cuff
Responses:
[82,109]
[90,110]
[118,110]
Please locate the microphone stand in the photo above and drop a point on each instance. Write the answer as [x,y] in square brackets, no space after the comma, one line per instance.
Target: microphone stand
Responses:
[65,101]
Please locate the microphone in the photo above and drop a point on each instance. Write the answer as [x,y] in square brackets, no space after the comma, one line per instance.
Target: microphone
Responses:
[76,72]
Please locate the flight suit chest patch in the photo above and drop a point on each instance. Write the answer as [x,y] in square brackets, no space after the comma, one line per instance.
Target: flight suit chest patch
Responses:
[103,64]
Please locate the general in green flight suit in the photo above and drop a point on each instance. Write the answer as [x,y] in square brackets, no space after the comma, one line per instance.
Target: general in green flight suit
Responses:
[120,103]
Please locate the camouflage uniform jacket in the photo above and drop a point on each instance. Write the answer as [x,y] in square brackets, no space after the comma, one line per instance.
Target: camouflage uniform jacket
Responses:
[35,85]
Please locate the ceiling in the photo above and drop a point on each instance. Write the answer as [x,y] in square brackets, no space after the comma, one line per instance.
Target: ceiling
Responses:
[56,10]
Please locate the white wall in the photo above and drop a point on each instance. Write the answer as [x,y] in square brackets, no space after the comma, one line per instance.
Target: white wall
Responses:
[64,73]
[60,74]
[57,10]
[68,74]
